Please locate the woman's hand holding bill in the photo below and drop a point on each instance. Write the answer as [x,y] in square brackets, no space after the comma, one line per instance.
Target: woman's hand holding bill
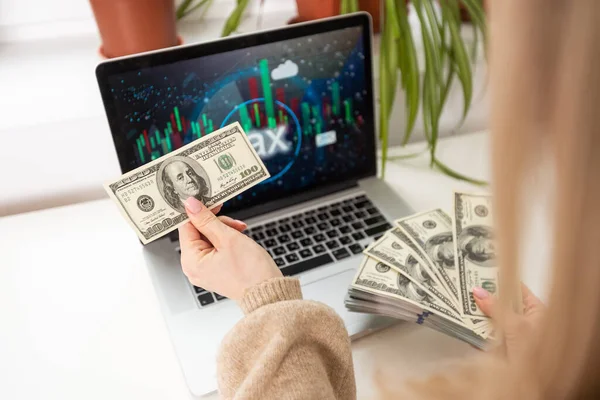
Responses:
[216,256]
[518,326]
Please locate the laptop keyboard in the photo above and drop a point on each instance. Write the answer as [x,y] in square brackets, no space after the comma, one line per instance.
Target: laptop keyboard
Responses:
[314,237]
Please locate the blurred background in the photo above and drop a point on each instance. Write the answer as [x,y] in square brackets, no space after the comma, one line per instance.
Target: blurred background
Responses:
[56,144]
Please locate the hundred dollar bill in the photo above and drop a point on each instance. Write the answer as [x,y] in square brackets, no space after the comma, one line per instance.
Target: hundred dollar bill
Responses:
[396,250]
[379,278]
[212,169]
[432,232]
[474,248]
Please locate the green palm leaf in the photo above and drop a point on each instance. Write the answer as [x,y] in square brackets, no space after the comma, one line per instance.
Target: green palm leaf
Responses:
[233,22]
[409,70]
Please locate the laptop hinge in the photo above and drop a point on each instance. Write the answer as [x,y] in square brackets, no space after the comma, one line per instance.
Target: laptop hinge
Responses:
[290,200]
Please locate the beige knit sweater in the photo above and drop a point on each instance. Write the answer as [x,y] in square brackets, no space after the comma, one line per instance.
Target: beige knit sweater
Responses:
[285,348]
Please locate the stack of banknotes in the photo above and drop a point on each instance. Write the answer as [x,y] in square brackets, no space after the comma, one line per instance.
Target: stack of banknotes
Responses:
[425,268]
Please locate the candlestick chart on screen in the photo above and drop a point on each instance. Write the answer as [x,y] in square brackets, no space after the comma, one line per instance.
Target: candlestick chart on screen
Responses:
[302,102]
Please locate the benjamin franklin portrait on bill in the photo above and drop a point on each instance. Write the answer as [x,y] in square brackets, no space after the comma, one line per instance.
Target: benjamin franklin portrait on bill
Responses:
[440,248]
[411,291]
[181,177]
[417,271]
[477,245]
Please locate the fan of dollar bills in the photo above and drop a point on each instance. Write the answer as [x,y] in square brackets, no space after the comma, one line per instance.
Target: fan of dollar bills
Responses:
[425,269]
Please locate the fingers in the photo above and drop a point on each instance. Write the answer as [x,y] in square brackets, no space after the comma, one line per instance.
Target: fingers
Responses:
[530,301]
[238,225]
[216,209]
[484,300]
[206,222]
[190,238]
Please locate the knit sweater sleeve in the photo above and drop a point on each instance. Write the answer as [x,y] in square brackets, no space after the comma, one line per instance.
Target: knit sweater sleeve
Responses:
[285,348]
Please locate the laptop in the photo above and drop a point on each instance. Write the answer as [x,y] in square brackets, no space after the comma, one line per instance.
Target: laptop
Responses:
[304,96]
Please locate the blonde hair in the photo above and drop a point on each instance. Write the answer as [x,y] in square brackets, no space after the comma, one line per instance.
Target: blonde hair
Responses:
[545,82]
[545,88]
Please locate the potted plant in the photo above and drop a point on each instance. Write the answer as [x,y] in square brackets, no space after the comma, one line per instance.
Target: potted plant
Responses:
[133,26]
[446,58]
[232,22]
[309,10]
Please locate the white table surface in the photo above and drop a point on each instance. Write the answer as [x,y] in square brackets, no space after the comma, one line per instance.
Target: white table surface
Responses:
[79,318]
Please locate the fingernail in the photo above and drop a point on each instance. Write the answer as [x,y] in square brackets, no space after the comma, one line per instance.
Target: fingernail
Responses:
[241,222]
[193,205]
[481,293]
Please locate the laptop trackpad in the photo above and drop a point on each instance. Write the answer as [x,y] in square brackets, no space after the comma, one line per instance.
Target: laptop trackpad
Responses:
[332,291]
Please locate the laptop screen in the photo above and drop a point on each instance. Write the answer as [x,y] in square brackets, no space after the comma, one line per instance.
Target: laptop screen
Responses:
[305,103]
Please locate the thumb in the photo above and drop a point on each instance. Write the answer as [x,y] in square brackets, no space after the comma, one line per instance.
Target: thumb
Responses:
[206,222]
[484,300]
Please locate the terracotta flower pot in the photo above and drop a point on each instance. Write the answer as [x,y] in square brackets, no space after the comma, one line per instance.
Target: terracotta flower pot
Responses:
[309,10]
[134,26]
